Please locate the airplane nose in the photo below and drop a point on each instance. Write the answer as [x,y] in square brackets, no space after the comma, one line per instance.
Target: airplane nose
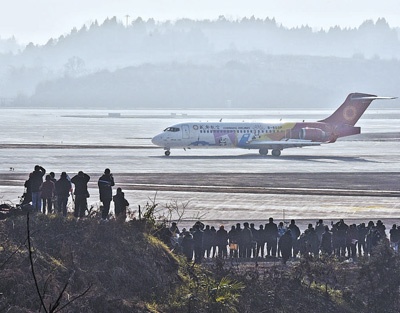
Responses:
[157,140]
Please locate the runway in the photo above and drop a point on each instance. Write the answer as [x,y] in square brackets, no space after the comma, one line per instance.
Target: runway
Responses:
[352,179]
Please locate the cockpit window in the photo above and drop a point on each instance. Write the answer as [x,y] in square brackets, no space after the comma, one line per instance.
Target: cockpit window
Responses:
[172,129]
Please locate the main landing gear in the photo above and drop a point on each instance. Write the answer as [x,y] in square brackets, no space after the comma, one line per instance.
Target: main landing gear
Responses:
[263,151]
[275,152]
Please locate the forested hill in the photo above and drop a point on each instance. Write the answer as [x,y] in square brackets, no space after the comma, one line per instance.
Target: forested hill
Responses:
[188,63]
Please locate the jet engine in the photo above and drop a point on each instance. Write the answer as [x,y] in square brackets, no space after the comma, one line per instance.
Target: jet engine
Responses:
[313,134]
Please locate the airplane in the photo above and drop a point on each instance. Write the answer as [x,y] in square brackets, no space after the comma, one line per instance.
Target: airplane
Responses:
[268,136]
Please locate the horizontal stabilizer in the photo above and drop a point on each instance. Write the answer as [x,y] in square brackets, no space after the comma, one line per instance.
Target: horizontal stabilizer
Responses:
[373,98]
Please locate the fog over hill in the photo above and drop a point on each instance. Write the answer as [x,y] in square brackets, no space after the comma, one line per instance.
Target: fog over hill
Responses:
[193,64]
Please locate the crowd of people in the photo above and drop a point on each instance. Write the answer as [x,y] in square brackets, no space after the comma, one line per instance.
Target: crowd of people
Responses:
[50,195]
[283,241]
[204,241]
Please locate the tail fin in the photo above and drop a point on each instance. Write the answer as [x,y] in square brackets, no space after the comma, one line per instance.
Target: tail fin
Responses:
[351,110]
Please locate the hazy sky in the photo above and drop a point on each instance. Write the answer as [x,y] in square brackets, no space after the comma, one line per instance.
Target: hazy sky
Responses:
[39,20]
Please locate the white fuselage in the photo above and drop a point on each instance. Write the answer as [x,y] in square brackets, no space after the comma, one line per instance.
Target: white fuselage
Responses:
[222,135]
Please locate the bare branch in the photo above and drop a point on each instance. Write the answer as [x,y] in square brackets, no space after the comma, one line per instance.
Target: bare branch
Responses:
[31,261]
[73,299]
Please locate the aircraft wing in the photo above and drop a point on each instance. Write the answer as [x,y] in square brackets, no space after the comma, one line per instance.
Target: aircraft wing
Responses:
[282,144]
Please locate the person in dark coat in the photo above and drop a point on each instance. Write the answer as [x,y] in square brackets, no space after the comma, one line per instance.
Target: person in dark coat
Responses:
[27,196]
[222,242]
[233,242]
[63,188]
[36,180]
[207,241]
[105,183]
[271,232]
[120,204]
[246,241]
[295,231]
[54,200]
[213,241]
[362,232]
[47,190]
[260,239]
[187,246]
[285,246]
[326,241]
[198,244]
[81,193]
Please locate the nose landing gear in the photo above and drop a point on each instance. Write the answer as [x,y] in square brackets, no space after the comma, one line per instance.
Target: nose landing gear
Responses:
[167,152]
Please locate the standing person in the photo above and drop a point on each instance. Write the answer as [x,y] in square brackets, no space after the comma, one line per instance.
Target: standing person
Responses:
[320,229]
[27,196]
[54,199]
[120,204]
[198,244]
[394,238]
[233,242]
[285,246]
[295,232]
[271,231]
[326,241]
[247,239]
[47,192]
[63,188]
[362,232]
[261,239]
[81,193]
[36,180]
[207,241]
[281,231]
[187,245]
[222,242]
[105,183]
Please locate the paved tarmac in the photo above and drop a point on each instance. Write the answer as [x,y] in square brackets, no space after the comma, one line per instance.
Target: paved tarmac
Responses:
[350,179]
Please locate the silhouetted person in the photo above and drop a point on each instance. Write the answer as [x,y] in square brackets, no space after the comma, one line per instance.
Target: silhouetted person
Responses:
[246,241]
[187,246]
[207,241]
[271,231]
[281,231]
[351,241]
[120,204]
[36,180]
[394,238]
[361,237]
[341,235]
[46,193]
[54,199]
[27,196]
[326,241]
[105,183]
[222,241]
[285,245]
[320,229]
[213,241]
[233,242]
[260,239]
[381,228]
[198,244]
[295,232]
[81,193]
[63,188]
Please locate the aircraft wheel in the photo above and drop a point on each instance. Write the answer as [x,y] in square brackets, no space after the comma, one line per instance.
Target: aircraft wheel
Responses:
[276,152]
[167,153]
[263,151]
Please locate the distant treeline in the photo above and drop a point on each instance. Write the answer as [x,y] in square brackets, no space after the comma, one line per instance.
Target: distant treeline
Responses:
[225,63]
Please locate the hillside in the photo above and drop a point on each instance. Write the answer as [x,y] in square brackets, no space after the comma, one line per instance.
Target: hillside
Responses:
[84,266]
